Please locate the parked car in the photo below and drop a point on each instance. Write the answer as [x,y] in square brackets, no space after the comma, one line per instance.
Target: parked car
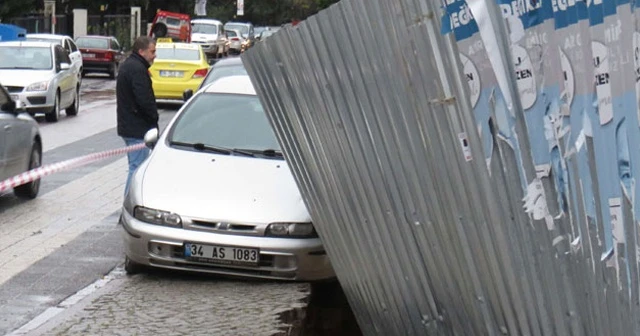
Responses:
[224,68]
[217,196]
[100,54]
[237,43]
[265,34]
[20,144]
[246,29]
[177,67]
[39,75]
[211,36]
[67,44]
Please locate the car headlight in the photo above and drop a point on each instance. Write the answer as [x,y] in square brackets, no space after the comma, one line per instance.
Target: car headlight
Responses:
[39,86]
[157,217]
[293,230]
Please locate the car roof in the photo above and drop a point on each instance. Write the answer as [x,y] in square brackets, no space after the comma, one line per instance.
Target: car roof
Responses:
[228,61]
[26,43]
[232,84]
[239,23]
[51,36]
[212,21]
[178,45]
[95,36]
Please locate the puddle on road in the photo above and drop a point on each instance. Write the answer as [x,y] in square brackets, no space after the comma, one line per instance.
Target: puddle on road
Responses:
[328,313]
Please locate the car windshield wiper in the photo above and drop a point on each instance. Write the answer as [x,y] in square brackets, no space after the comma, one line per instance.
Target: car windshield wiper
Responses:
[265,152]
[216,149]
[201,147]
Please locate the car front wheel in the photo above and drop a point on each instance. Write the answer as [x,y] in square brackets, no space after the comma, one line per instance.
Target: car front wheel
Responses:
[54,115]
[75,107]
[132,267]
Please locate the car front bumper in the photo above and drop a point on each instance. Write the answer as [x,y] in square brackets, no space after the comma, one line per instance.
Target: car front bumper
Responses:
[35,101]
[280,258]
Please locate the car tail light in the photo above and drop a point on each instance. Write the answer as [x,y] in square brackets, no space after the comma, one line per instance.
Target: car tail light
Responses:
[200,73]
[109,56]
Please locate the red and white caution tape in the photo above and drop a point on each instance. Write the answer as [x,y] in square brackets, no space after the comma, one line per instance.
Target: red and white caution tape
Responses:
[43,171]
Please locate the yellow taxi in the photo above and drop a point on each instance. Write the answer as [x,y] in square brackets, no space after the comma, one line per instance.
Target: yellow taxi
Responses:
[177,67]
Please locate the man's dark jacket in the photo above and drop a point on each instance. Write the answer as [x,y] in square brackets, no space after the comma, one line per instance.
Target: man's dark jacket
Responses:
[137,110]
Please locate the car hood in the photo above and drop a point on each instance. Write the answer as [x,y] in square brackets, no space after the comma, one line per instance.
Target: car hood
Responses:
[221,187]
[21,77]
[199,37]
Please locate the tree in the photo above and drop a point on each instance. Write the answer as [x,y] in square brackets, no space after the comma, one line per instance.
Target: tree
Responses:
[15,8]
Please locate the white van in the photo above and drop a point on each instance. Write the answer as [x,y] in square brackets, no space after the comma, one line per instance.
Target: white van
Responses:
[210,35]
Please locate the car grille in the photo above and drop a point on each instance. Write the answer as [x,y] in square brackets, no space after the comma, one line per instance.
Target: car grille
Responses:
[37,100]
[224,227]
[14,89]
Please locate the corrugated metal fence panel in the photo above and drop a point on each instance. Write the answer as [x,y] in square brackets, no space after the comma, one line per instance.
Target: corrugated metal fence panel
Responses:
[426,229]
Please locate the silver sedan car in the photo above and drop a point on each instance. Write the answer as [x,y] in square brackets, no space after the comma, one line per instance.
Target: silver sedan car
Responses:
[217,196]
[39,75]
[20,144]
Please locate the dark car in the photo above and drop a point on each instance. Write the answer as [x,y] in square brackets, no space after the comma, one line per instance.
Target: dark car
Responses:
[20,144]
[100,54]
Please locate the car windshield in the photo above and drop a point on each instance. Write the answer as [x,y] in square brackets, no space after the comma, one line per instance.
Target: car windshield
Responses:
[230,121]
[224,71]
[94,43]
[177,54]
[231,33]
[244,29]
[14,57]
[204,28]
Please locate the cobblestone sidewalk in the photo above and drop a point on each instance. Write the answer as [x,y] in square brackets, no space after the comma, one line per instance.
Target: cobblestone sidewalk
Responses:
[179,304]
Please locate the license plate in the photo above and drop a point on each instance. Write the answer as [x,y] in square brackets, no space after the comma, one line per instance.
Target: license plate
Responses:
[89,55]
[222,254]
[169,73]
[14,97]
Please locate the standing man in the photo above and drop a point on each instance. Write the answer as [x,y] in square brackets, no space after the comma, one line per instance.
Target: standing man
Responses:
[136,102]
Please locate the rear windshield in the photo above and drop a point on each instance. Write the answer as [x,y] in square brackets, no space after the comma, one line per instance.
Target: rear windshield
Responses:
[204,28]
[14,57]
[178,54]
[92,43]
[244,29]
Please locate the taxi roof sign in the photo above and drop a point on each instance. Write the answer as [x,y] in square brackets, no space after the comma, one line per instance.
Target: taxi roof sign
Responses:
[164,40]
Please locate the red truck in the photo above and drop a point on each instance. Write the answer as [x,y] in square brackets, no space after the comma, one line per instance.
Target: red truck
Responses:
[176,26]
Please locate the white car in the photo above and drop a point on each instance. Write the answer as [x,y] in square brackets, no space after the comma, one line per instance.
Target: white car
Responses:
[210,35]
[237,43]
[217,196]
[39,75]
[67,44]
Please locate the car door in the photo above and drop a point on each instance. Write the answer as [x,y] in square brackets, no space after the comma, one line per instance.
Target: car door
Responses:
[66,78]
[15,142]
[117,50]
[74,55]
[5,125]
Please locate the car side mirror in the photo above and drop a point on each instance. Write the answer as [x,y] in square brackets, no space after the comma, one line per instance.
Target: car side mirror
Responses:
[151,138]
[9,106]
[65,66]
[187,94]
